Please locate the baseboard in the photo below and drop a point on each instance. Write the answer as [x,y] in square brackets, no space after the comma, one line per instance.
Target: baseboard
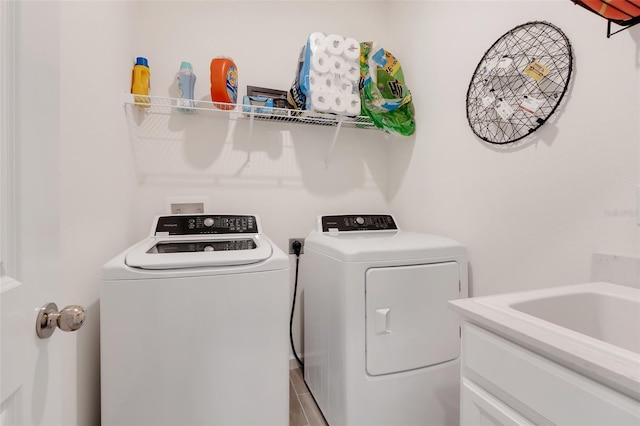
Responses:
[293,363]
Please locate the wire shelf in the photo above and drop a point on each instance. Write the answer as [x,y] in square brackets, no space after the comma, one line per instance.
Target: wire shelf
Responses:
[166,105]
[159,104]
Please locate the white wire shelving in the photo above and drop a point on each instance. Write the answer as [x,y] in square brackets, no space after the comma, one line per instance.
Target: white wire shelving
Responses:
[165,105]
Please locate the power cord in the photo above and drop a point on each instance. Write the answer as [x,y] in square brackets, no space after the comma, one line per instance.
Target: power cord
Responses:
[297,248]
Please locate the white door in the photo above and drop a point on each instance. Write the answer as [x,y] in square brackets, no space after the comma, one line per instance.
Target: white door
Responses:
[31,390]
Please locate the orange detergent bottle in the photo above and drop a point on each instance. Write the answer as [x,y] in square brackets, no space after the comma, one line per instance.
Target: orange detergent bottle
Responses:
[224,83]
[140,82]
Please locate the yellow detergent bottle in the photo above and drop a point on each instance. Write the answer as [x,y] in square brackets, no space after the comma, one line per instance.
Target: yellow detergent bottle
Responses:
[140,82]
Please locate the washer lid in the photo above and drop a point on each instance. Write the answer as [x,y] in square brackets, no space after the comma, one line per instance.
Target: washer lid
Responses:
[174,252]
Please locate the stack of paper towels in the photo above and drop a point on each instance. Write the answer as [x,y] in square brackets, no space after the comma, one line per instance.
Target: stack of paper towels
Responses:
[332,68]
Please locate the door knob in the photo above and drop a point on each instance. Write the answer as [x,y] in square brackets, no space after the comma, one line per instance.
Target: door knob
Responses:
[70,318]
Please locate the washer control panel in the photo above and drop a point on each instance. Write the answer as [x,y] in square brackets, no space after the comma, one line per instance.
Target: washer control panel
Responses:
[202,224]
[204,246]
[358,222]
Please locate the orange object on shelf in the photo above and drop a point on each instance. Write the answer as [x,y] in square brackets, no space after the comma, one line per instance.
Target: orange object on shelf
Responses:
[224,83]
[625,13]
[618,11]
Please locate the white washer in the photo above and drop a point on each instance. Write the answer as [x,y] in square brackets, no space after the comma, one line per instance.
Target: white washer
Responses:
[194,326]
[381,346]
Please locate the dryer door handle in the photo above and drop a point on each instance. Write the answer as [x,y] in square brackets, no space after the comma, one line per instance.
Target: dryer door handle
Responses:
[382,321]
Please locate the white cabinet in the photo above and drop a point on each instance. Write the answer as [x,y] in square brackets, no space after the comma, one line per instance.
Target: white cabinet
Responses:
[505,384]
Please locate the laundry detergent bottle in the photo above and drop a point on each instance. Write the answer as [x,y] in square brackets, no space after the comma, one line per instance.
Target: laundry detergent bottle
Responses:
[140,82]
[186,84]
[224,82]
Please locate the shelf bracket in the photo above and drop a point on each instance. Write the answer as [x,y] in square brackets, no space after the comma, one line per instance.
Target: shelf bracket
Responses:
[127,98]
[250,139]
[333,142]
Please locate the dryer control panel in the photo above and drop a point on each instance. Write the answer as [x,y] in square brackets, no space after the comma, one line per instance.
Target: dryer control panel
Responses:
[358,222]
[202,224]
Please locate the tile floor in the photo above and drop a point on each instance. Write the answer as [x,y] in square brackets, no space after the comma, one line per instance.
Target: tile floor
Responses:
[303,410]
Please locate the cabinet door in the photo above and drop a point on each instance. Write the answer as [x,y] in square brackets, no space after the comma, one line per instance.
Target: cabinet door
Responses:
[479,408]
[539,388]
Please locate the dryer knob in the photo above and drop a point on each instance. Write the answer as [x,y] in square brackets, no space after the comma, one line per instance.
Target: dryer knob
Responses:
[208,222]
[360,220]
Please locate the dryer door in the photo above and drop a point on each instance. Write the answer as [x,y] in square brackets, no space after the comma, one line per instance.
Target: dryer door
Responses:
[408,322]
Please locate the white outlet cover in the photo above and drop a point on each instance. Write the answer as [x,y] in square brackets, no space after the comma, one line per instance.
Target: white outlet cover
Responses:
[201,199]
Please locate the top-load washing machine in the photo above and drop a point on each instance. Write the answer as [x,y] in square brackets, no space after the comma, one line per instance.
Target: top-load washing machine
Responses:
[381,346]
[194,326]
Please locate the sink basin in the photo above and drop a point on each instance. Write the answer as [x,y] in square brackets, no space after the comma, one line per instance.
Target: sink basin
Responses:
[601,315]
[593,328]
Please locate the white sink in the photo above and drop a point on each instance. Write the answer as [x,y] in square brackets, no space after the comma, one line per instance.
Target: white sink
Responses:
[594,312]
[593,328]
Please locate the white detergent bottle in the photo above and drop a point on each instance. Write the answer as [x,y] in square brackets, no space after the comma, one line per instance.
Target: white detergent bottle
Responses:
[186,84]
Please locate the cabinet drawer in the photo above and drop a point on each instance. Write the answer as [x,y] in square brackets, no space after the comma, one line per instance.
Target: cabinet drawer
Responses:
[539,388]
[478,407]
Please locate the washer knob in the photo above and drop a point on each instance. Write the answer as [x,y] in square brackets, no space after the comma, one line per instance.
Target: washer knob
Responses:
[360,220]
[208,222]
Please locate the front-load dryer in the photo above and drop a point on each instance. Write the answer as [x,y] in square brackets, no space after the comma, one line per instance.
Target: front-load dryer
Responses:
[381,346]
[194,326]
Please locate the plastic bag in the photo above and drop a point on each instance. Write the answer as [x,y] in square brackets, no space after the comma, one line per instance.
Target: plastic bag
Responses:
[386,99]
[295,96]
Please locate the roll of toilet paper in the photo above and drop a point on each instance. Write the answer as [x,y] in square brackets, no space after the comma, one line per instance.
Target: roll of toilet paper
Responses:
[316,42]
[320,101]
[338,103]
[314,80]
[334,44]
[353,105]
[337,65]
[352,71]
[320,62]
[351,49]
[324,83]
[345,86]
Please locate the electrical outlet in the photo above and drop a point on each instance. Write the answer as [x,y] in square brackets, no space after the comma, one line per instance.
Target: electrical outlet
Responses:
[291,241]
[187,205]
[182,208]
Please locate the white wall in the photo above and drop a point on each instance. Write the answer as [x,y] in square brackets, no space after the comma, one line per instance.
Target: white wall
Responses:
[287,182]
[97,180]
[531,214]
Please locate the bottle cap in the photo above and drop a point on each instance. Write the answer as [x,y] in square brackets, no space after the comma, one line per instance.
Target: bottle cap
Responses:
[142,61]
[186,65]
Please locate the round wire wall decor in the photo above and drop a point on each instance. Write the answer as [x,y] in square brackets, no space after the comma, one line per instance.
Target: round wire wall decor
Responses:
[519,82]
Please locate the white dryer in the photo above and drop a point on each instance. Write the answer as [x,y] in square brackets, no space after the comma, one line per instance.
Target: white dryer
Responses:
[381,346]
[194,326]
